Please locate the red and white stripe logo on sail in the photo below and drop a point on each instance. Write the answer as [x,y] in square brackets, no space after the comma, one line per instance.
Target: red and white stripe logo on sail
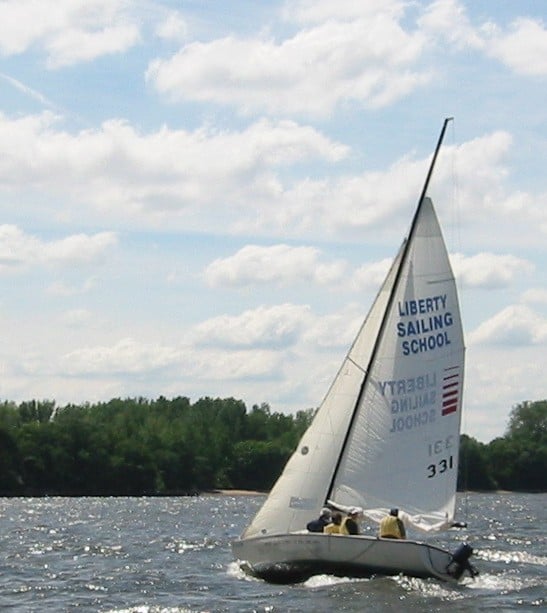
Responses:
[451,390]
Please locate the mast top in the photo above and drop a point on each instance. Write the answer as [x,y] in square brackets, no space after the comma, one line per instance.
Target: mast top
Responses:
[434,159]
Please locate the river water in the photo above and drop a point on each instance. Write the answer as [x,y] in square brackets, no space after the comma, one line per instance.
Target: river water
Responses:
[151,555]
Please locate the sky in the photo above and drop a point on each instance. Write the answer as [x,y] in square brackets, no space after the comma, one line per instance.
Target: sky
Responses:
[201,198]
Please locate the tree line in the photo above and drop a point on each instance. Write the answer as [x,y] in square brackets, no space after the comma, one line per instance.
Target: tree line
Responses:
[135,446]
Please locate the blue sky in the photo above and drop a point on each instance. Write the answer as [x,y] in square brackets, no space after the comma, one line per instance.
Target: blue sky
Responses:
[201,198]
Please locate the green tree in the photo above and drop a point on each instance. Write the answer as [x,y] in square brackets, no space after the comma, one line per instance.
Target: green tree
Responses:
[473,469]
[519,460]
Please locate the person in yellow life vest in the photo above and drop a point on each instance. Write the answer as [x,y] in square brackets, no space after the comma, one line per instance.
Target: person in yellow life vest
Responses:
[392,527]
[335,526]
[349,523]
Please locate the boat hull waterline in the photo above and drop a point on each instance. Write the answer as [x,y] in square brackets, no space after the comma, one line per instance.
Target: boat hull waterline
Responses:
[290,558]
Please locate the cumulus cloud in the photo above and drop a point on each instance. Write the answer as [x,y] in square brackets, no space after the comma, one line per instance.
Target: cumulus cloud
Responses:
[275,326]
[364,56]
[117,169]
[18,249]
[69,31]
[336,330]
[535,296]
[489,270]
[276,264]
[173,27]
[79,247]
[515,325]
[140,359]
[344,205]
[447,19]
[126,356]
[365,53]
[371,276]
[71,47]
[221,365]
[170,177]
[347,205]
[317,11]
[523,47]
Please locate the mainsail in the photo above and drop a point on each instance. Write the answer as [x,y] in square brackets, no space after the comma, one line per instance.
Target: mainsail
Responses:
[387,432]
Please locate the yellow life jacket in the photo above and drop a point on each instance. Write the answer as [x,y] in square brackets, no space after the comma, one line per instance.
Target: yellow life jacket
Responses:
[332,529]
[390,527]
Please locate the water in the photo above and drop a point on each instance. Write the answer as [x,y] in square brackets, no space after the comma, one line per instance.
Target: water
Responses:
[151,555]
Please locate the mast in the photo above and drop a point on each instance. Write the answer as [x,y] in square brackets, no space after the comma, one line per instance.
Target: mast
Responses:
[383,323]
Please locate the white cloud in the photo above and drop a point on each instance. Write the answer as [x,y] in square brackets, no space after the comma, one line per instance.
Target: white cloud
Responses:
[447,20]
[275,326]
[371,276]
[367,59]
[497,378]
[75,45]
[345,52]
[139,359]
[18,249]
[523,48]
[535,296]
[347,205]
[126,356]
[515,325]
[489,270]
[317,11]
[79,247]
[60,288]
[336,330]
[179,178]
[220,365]
[173,27]
[69,31]
[118,170]
[276,264]
[342,206]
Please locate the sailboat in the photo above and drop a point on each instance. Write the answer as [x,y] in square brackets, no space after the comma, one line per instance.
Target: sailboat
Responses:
[386,434]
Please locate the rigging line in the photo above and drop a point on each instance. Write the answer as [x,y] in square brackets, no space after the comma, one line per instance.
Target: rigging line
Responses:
[401,264]
[457,242]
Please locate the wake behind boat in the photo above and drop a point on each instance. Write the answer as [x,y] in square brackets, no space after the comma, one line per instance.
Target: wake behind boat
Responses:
[386,434]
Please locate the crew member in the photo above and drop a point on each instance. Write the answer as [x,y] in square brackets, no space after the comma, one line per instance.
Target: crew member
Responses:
[392,527]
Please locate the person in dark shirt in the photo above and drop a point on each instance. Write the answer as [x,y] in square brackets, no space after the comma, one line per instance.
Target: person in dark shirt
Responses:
[317,525]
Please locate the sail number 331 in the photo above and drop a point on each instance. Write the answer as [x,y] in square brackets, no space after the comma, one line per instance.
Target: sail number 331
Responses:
[437,448]
[440,467]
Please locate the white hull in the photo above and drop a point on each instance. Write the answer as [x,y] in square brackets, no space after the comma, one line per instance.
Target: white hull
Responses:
[297,556]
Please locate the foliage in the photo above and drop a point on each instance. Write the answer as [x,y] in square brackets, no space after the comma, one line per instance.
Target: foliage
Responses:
[136,446]
[517,461]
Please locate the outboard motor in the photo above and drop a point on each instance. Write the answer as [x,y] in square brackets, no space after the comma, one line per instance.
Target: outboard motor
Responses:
[460,562]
